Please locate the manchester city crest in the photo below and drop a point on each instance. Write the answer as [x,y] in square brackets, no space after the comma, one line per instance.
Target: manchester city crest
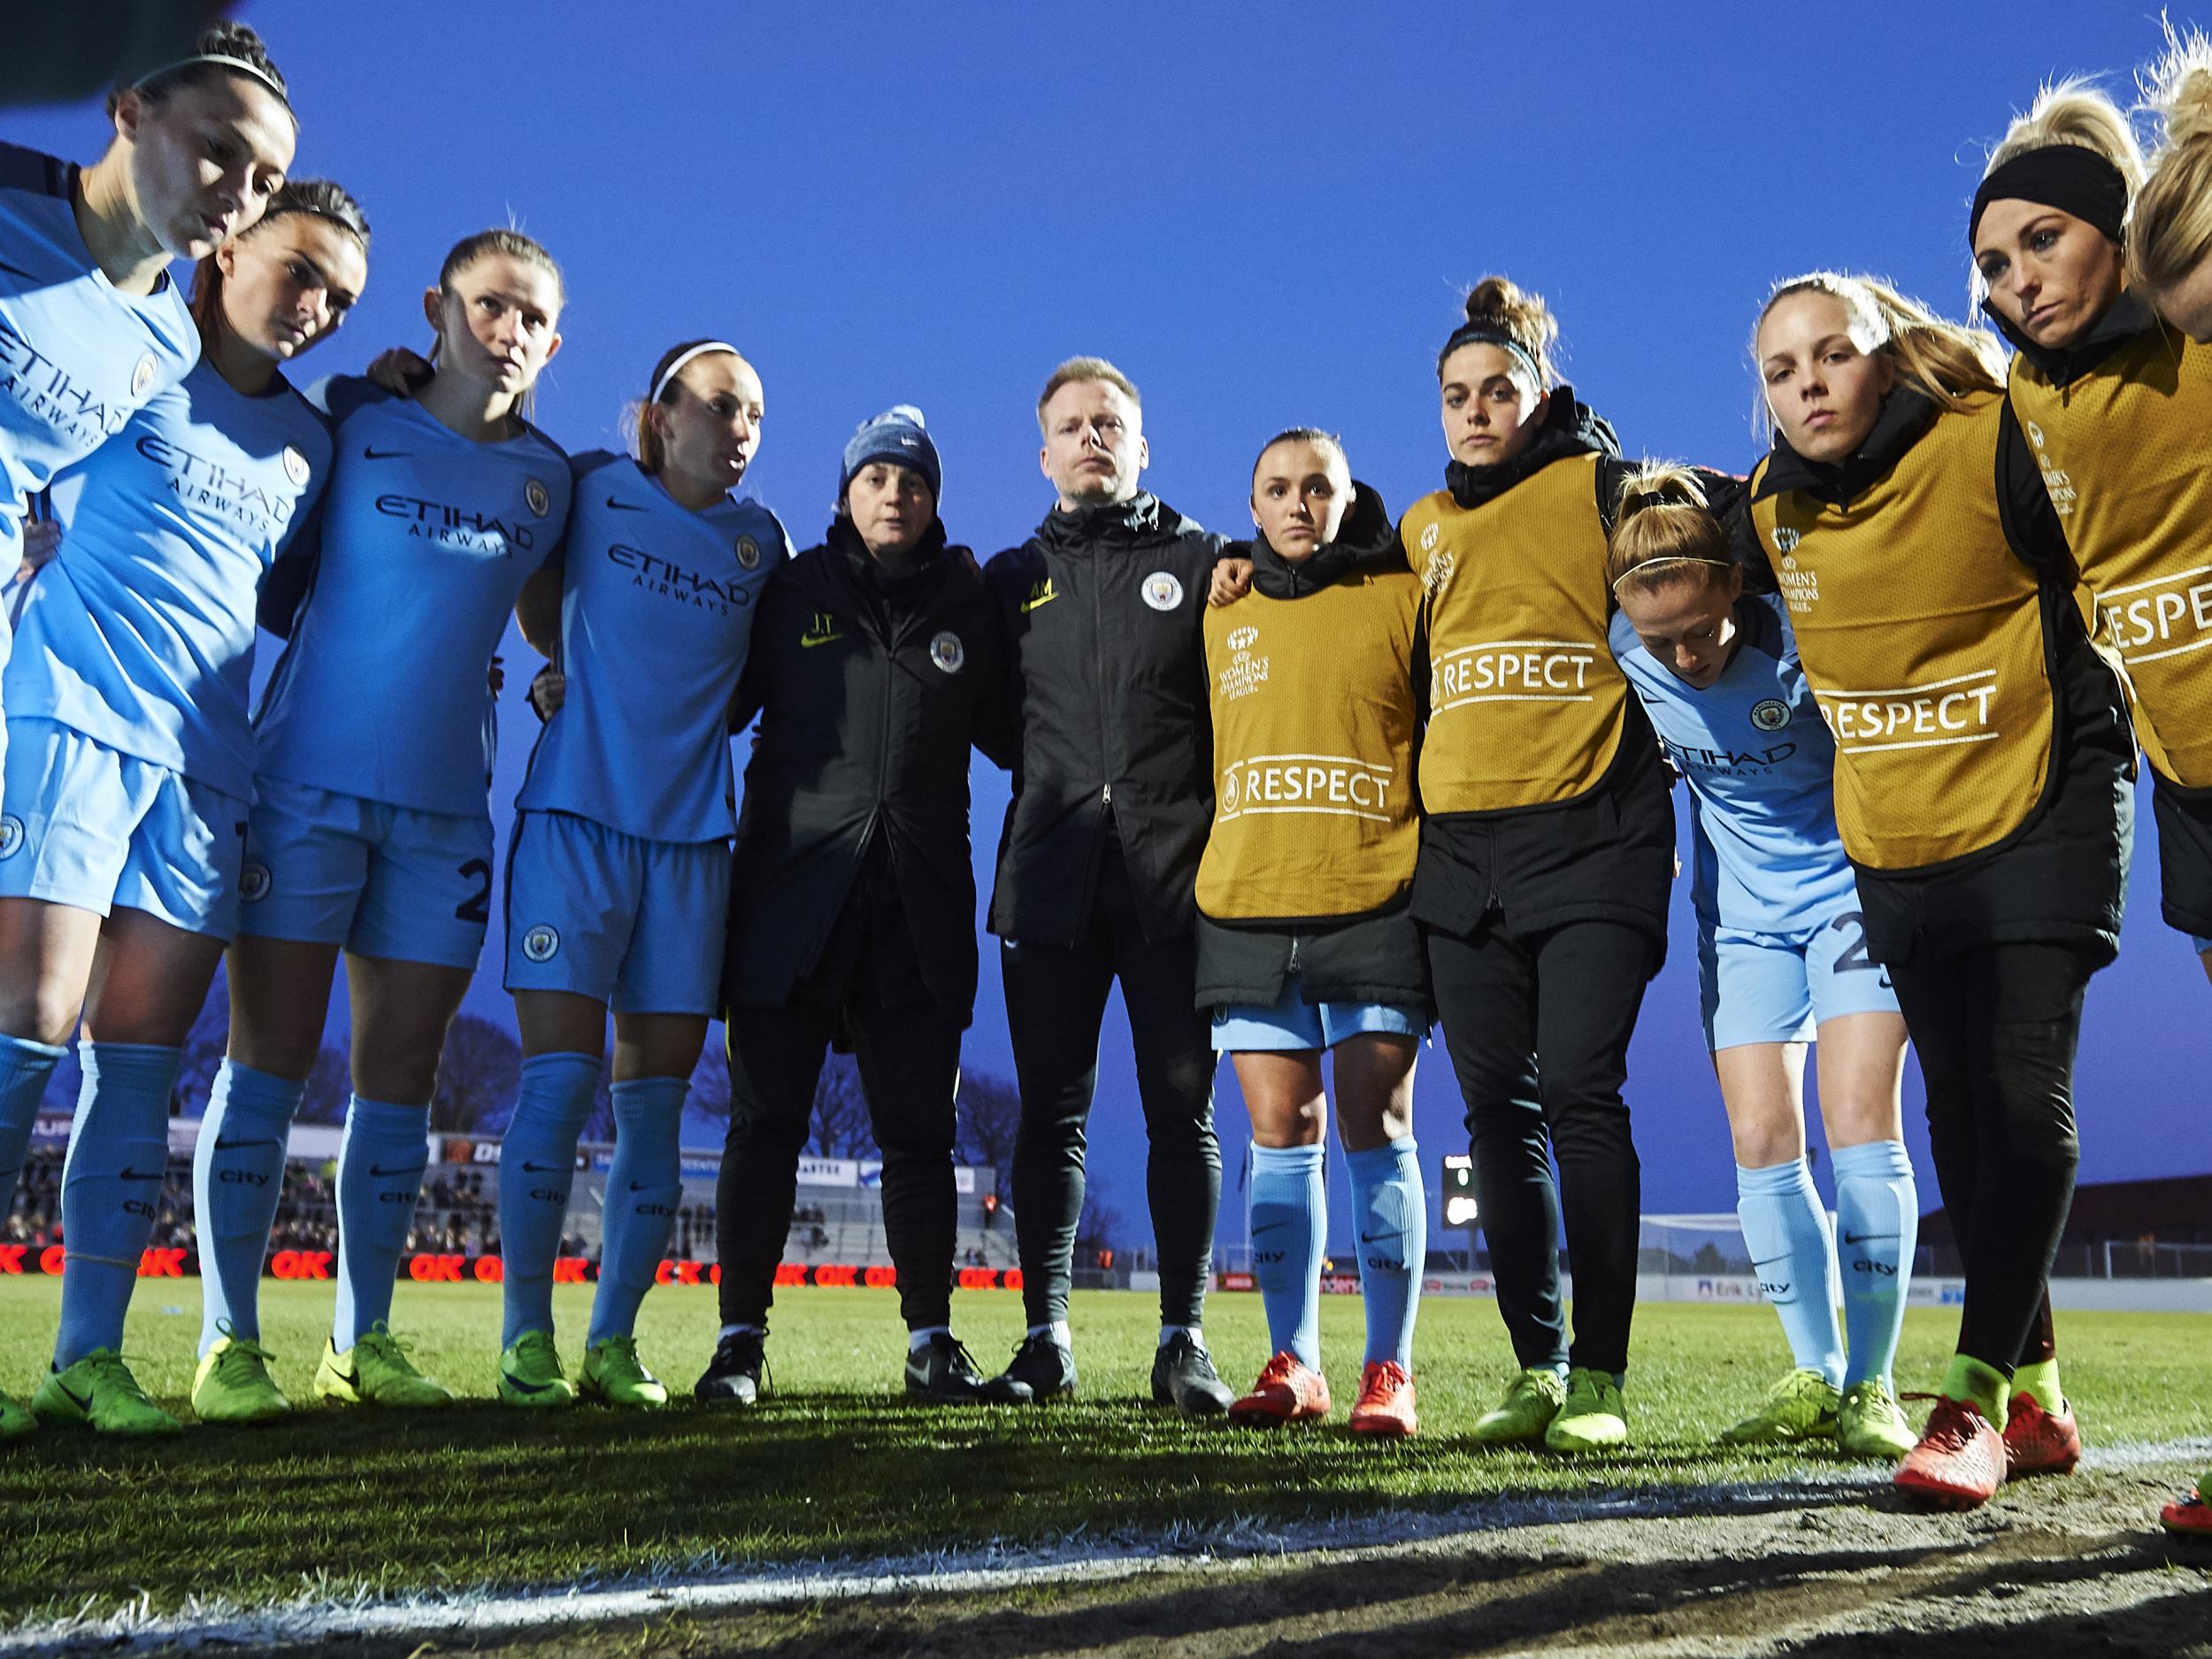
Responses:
[1770,714]
[295,467]
[253,882]
[747,553]
[540,498]
[142,375]
[10,835]
[541,944]
[1163,590]
[947,653]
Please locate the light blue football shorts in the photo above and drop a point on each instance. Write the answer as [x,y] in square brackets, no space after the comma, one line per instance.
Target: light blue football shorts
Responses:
[383,880]
[1782,987]
[635,923]
[1293,1023]
[96,829]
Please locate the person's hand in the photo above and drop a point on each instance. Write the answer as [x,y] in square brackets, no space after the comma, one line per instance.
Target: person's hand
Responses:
[400,372]
[1232,579]
[41,542]
[498,675]
[548,691]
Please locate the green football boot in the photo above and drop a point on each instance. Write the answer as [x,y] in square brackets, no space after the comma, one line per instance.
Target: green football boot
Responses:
[614,1375]
[232,1384]
[16,1420]
[376,1371]
[1592,1418]
[1526,1411]
[530,1372]
[1870,1423]
[99,1392]
[1802,1406]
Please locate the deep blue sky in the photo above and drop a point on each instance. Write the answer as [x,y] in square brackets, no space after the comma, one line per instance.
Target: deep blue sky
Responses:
[1265,216]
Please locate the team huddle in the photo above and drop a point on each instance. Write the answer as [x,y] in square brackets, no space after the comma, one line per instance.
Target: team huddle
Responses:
[1304,795]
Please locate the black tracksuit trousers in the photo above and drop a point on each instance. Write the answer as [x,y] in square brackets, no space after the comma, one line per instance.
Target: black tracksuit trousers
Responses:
[1996,1027]
[910,1067]
[1538,1027]
[1055,1000]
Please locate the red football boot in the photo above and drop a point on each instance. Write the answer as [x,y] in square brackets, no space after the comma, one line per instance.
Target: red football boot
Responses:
[1960,1462]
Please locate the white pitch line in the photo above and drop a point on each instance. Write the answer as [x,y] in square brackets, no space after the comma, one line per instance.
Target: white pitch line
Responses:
[1234,1547]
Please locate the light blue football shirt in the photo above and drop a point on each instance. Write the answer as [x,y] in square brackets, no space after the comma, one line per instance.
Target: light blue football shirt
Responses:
[141,633]
[656,610]
[78,357]
[426,539]
[1761,767]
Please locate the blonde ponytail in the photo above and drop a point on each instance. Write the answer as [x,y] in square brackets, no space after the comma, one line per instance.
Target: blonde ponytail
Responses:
[2171,232]
[1665,532]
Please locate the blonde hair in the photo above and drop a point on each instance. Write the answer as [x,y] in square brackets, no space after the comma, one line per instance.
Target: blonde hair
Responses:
[1078,370]
[2170,230]
[1949,364]
[1664,531]
[1501,305]
[2075,110]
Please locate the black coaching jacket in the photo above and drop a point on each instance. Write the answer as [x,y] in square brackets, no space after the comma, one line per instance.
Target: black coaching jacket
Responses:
[870,690]
[1102,610]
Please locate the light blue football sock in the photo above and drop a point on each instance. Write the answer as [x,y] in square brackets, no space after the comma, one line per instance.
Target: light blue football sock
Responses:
[24,1066]
[111,1188]
[380,1164]
[645,1183]
[1794,1254]
[537,1165]
[237,1180]
[1289,1224]
[1877,1228]
[1390,1213]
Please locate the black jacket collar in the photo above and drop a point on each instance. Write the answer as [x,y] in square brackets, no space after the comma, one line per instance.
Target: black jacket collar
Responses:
[1366,542]
[1144,520]
[1905,417]
[2125,320]
[848,579]
[1570,428]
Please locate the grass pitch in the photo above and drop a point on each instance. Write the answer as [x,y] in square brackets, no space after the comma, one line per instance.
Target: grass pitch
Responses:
[835,1464]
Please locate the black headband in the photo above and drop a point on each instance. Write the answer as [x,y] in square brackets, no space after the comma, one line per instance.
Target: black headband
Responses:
[1482,332]
[2072,178]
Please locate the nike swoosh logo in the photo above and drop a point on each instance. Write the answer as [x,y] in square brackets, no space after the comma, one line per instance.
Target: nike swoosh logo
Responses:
[808,641]
[83,1402]
[639,1187]
[623,506]
[1861,1238]
[226,1146]
[130,1174]
[1029,605]
[529,1168]
[1269,1226]
[382,1174]
[369,453]
[514,1381]
[1770,1260]
[1376,1238]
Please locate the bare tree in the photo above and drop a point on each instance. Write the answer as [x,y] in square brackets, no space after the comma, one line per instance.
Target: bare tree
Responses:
[990,1116]
[710,1083]
[841,1113]
[329,1087]
[1101,1225]
[477,1075]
